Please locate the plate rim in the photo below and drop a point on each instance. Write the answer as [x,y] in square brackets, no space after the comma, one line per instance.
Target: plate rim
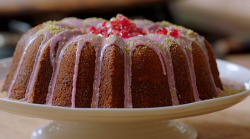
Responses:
[118,112]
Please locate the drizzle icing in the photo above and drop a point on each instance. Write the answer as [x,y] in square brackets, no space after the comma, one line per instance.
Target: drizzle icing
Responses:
[69,35]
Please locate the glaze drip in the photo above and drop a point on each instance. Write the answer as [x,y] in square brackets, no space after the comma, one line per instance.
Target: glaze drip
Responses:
[19,66]
[66,39]
[82,40]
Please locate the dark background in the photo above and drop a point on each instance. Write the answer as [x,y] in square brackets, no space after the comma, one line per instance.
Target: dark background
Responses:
[223,31]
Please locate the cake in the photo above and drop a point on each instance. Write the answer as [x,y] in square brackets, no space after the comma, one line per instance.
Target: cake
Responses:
[121,63]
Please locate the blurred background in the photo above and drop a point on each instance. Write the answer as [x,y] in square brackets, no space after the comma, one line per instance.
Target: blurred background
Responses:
[224,23]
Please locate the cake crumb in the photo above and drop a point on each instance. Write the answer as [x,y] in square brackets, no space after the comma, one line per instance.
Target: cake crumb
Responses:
[3,94]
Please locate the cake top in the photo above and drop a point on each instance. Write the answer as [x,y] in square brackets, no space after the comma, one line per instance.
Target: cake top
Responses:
[123,30]
[122,27]
[119,26]
[50,26]
[126,28]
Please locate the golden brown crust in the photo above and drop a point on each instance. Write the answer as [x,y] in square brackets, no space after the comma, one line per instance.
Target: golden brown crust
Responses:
[17,56]
[19,88]
[85,77]
[182,76]
[149,85]
[63,88]
[204,79]
[112,78]
[213,65]
[44,73]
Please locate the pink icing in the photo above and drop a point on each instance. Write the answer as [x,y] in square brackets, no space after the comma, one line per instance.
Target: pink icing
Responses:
[187,49]
[164,45]
[47,36]
[96,42]
[19,66]
[66,37]
[189,56]
[185,42]
[78,23]
[131,43]
[143,23]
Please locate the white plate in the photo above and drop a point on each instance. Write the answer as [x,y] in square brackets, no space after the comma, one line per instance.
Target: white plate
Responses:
[228,70]
[131,116]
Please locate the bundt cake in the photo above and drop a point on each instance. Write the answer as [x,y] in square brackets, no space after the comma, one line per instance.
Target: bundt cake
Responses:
[121,63]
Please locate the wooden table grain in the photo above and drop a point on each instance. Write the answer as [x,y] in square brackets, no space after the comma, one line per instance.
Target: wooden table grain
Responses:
[231,123]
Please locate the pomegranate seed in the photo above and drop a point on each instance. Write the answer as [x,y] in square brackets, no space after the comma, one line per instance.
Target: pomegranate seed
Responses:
[125,22]
[116,32]
[101,31]
[165,31]
[124,31]
[144,31]
[160,31]
[105,34]
[131,30]
[132,25]
[135,34]
[96,32]
[112,22]
[141,31]
[120,26]
[117,27]
[124,34]
[91,29]
[175,33]
[104,24]
[118,22]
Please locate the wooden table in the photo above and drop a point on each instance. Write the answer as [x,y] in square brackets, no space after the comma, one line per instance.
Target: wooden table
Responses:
[232,123]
